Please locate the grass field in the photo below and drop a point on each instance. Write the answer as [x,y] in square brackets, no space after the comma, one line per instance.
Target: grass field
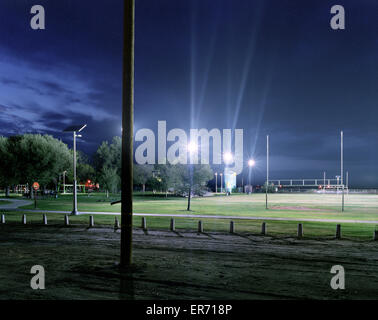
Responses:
[296,206]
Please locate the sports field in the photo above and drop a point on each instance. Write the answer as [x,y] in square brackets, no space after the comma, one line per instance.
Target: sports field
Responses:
[292,206]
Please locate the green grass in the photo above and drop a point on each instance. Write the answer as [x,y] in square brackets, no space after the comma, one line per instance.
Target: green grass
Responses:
[3,202]
[312,230]
[325,206]
[297,206]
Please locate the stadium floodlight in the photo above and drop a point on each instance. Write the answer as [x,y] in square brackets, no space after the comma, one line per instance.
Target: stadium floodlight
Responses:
[75,129]
[192,147]
[251,163]
[228,157]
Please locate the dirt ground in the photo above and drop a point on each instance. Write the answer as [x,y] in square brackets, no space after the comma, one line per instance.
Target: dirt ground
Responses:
[80,264]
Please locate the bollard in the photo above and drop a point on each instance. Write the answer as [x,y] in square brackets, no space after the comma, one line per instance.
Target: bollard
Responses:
[3,218]
[232,227]
[91,221]
[375,235]
[172,227]
[263,229]
[300,230]
[144,224]
[116,224]
[44,219]
[23,221]
[200,226]
[66,220]
[338,231]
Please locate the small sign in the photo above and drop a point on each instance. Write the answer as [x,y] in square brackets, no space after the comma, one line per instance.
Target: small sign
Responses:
[35,185]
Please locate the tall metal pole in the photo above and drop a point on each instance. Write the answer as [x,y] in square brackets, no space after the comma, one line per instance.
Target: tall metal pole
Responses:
[342,157]
[74,209]
[267,172]
[347,180]
[190,184]
[216,182]
[342,170]
[127,134]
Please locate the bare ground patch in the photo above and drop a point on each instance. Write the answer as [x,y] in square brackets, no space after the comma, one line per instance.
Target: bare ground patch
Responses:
[80,264]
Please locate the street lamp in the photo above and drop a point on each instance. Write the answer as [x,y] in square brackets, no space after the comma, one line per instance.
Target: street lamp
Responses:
[75,130]
[221,175]
[228,158]
[251,163]
[216,182]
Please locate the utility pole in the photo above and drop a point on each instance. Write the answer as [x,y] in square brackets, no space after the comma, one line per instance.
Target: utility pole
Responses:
[127,134]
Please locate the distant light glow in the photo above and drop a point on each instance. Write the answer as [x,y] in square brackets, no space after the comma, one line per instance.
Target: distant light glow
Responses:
[192,147]
[228,157]
[251,163]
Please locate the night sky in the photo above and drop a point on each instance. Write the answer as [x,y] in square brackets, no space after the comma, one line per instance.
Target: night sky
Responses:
[268,67]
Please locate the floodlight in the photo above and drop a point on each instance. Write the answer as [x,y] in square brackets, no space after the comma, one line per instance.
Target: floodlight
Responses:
[192,147]
[251,163]
[76,128]
[228,157]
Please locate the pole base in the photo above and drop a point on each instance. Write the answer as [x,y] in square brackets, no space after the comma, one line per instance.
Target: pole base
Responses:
[74,213]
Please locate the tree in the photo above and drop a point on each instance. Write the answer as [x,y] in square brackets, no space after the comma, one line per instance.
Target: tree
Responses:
[271,188]
[141,174]
[37,157]
[201,174]
[107,161]
[85,172]
[7,171]
[109,179]
[108,155]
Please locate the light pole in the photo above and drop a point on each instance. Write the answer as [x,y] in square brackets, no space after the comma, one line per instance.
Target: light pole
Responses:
[221,175]
[251,163]
[267,172]
[64,181]
[228,158]
[75,130]
[216,182]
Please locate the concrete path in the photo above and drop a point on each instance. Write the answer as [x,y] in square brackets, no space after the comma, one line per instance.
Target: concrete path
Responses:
[15,208]
[15,204]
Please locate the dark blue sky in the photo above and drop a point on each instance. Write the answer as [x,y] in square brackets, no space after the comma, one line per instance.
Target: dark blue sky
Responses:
[268,67]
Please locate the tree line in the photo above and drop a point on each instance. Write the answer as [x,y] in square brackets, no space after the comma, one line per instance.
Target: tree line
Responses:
[27,158]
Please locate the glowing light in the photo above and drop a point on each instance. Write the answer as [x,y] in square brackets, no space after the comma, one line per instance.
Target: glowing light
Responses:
[228,157]
[192,147]
[251,163]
